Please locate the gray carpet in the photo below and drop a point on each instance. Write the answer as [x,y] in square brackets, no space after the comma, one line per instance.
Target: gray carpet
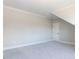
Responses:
[48,50]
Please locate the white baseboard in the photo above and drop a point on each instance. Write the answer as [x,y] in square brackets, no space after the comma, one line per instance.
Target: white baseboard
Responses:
[33,43]
[65,42]
[22,45]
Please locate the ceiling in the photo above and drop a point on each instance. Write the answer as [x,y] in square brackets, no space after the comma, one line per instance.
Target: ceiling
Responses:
[43,7]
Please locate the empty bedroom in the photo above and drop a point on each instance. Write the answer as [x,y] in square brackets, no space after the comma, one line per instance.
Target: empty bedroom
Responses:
[38,29]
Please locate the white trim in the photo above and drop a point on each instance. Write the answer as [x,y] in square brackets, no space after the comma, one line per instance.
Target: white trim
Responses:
[33,43]
[65,42]
[22,45]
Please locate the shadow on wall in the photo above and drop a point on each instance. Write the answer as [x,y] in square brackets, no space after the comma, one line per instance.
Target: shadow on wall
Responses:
[64,30]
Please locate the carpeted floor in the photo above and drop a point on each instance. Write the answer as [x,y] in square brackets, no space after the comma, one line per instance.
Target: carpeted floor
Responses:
[48,50]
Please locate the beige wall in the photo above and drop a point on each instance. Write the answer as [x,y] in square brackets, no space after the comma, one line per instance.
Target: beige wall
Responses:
[23,27]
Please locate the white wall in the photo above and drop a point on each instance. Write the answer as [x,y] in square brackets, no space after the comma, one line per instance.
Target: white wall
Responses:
[55,30]
[63,31]
[67,32]
[23,27]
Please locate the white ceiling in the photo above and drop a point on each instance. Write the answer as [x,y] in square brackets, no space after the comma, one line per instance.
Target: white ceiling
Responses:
[43,7]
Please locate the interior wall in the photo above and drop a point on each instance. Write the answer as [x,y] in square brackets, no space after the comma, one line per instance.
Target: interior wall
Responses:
[23,27]
[63,31]
[67,32]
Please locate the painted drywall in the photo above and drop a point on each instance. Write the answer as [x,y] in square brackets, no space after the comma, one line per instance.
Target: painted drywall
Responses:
[63,31]
[67,32]
[43,7]
[66,13]
[55,30]
[22,27]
